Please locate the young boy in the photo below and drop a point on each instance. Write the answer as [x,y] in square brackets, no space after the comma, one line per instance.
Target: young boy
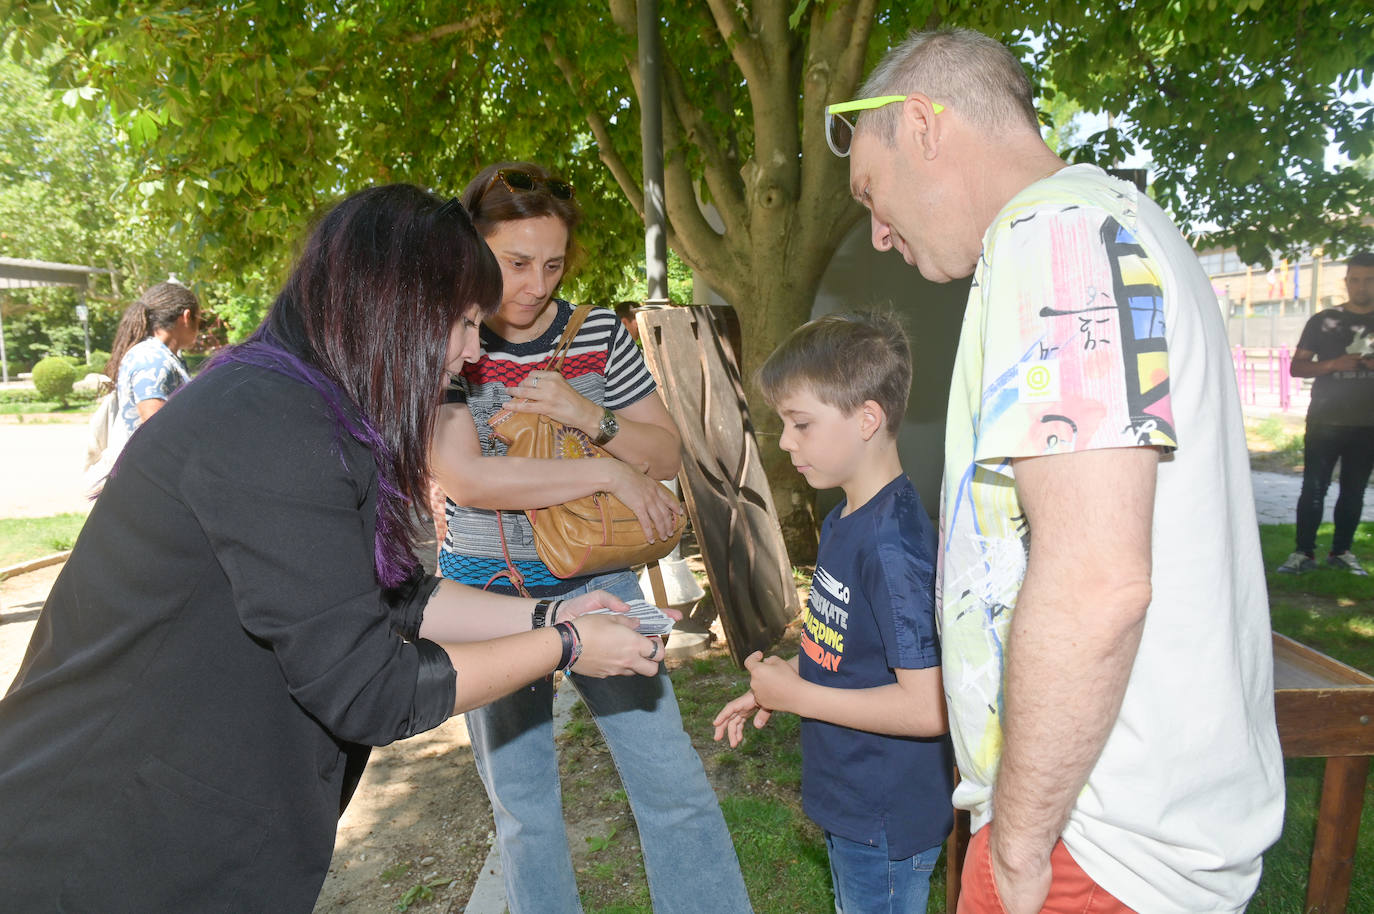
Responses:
[876,760]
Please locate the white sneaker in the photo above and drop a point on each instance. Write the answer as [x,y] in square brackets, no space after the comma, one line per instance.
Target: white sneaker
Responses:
[1347,561]
[1297,563]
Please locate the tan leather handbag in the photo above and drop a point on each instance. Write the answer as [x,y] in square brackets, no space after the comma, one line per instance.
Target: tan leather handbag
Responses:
[587,535]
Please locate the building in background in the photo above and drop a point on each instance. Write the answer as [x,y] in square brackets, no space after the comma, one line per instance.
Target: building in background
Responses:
[1268,307]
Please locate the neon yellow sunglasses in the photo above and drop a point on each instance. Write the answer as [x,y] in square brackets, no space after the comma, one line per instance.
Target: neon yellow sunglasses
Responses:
[839,132]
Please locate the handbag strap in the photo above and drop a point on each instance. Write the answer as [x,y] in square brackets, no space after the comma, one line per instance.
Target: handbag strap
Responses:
[517,579]
[565,342]
[555,363]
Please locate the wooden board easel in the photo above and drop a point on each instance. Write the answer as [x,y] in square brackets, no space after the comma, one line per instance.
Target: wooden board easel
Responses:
[689,352]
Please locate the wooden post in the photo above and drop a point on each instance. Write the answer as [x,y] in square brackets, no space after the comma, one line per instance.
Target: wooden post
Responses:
[656,584]
[955,849]
[1338,831]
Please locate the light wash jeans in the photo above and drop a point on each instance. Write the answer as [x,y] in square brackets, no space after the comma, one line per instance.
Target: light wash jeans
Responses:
[866,882]
[688,855]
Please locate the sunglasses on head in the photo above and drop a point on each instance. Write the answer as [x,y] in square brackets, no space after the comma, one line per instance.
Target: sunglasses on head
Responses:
[839,130]
[518,181]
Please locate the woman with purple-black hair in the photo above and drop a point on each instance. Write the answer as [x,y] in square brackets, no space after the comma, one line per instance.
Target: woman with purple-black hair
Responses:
[242,615]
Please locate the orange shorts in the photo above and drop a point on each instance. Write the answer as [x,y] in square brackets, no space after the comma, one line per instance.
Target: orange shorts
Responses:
[1072,891]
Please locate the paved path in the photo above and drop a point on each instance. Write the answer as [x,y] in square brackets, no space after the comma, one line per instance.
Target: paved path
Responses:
[1276,498]
[40,467]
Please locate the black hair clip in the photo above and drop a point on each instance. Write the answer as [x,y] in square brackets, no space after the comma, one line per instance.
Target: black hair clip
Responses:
[453,205]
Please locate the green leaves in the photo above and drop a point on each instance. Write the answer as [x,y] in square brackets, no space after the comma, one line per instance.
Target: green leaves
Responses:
[245,120]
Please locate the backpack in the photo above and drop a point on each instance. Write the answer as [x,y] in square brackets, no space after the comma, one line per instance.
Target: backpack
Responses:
[104,441]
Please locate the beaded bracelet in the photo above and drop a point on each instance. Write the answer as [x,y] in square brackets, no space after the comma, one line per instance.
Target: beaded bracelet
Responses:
[577,643]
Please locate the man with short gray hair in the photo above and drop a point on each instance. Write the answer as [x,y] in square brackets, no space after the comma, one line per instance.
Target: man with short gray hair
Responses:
[1105,627]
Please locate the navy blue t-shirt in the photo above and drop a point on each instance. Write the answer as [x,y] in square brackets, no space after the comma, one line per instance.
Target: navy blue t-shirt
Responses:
[871,612]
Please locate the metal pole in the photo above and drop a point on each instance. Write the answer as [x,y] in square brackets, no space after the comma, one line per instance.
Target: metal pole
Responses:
[4,361]
[651,143]
[85,321]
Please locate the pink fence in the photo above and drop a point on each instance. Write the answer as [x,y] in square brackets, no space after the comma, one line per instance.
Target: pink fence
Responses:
[1263,378]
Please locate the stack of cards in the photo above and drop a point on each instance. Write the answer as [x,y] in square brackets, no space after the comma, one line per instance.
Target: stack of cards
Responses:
[652,620]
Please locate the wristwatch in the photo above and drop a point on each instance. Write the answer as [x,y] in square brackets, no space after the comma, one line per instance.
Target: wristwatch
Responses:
[607,428]
[545,612]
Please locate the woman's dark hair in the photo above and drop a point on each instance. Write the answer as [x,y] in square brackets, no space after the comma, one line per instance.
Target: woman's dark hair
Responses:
[370,305]
[158,308]
[491,202]
[132,329]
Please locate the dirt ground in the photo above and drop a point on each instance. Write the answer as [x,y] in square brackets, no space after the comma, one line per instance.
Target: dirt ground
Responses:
[420,815]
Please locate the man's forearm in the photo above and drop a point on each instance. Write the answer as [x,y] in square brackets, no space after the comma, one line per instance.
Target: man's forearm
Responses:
[1069,659]
[1072,642]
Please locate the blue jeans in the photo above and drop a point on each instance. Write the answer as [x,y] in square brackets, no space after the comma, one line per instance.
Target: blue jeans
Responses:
[688,855]
[866,882]
[1323,446]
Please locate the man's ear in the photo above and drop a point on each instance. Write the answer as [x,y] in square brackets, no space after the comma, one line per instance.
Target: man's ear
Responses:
[921,124]
[872,418]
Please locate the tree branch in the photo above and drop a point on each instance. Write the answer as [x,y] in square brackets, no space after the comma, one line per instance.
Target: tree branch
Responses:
[721,175]
[774,100]
[689,231]
[452,28]
[844,39]
[744,47]
[605,149]
[839,35]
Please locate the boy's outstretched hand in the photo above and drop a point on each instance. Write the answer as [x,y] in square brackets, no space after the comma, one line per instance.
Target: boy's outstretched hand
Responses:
[730,720]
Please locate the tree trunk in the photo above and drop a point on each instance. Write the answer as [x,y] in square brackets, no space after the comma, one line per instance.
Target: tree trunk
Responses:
[778,306]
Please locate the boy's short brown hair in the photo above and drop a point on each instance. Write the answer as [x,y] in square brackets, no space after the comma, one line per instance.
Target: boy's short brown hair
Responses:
[844,360]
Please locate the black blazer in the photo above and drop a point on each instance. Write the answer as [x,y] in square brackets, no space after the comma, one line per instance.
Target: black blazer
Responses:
[214,653]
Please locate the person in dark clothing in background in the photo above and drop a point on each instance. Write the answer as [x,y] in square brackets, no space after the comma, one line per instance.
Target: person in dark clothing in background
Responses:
[1336,349]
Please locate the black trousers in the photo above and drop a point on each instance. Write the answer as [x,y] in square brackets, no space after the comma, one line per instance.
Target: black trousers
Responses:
[1353,447]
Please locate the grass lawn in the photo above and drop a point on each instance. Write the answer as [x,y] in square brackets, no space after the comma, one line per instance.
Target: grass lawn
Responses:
[46,407]
[25,538]
[1275,443]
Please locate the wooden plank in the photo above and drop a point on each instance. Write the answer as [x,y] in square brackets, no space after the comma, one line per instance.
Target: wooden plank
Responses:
[1325,722]
[1338,833]
[1297,666]
[1323,706]
[725,489]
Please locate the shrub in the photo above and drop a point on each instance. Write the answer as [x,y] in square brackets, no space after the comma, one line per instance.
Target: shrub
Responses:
[73,360]
[22,396]
[54,377]
[194,360]
[99,361]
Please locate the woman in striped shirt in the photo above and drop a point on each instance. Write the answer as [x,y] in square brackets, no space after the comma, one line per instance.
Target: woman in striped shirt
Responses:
[527,217]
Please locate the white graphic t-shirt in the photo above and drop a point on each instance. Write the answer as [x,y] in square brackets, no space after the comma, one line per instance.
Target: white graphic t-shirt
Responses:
[1090,324]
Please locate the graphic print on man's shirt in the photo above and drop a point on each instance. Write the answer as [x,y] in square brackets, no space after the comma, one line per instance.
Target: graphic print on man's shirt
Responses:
[826,620]
[1069,356]
[1361,340]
